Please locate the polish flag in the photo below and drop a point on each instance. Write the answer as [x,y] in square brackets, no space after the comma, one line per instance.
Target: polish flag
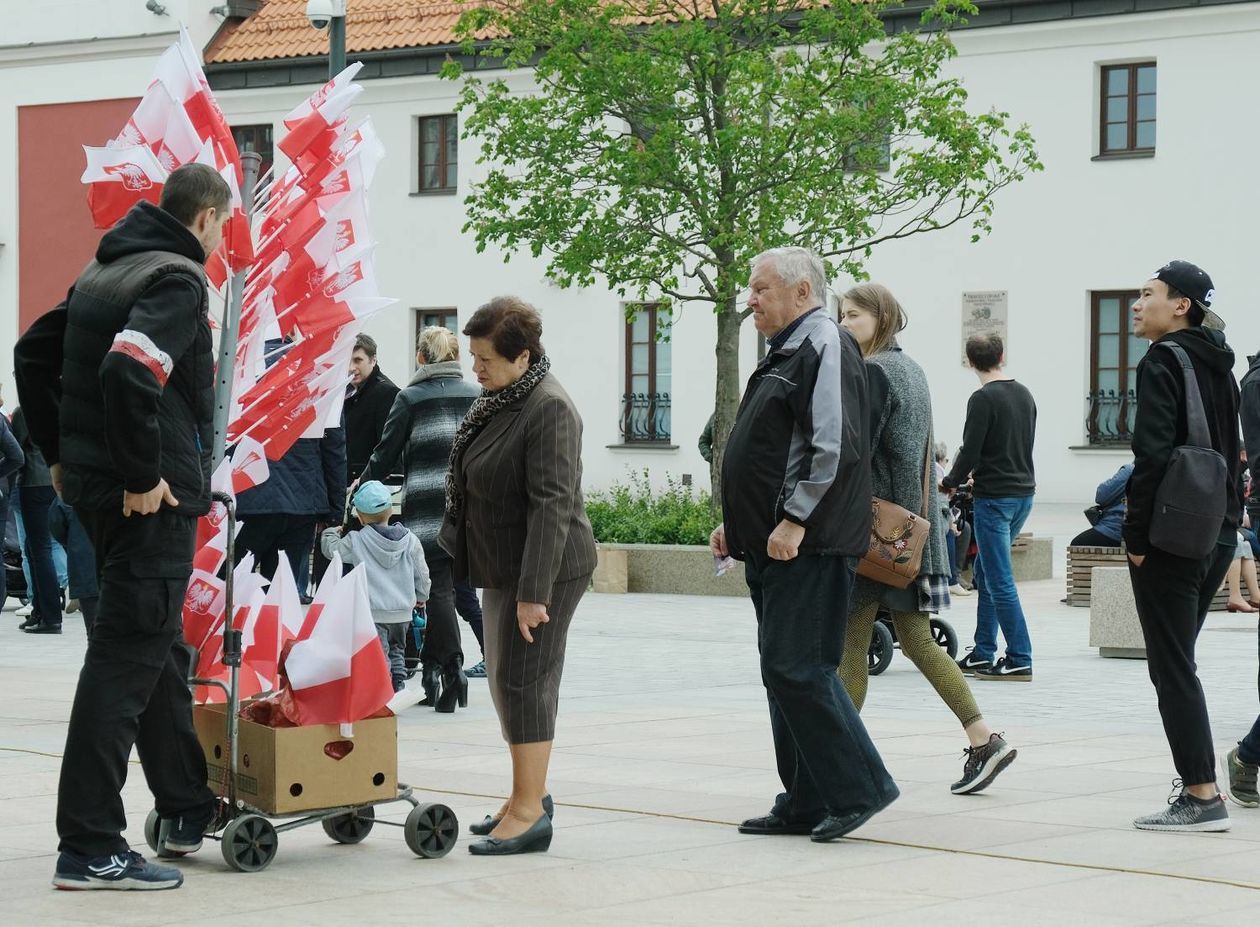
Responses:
[212,552]
[282,428]
[321,598]
[249,465]
[319,149]
[319,112]
[339,674]
[360,151]
[119,178]
[163,124]
[204,604]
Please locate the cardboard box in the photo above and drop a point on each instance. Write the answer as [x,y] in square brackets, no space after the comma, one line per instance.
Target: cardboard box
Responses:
[287,769]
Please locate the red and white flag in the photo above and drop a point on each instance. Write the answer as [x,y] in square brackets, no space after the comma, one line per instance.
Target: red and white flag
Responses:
[119,178]
[249,465]
[204,604]
[321,598]
[339,674]
[319,112]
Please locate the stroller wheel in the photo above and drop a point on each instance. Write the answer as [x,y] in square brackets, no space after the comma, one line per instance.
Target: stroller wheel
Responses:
[944,634]
[431,830]
[881,651]
[351,827]
[249,843]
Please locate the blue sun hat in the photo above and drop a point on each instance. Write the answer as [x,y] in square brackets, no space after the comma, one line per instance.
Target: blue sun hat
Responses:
[371,498]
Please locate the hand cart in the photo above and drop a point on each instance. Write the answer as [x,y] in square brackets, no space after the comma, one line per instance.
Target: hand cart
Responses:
[248,836]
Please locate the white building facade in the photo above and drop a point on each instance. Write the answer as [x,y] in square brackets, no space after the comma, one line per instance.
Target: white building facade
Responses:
[1141,112]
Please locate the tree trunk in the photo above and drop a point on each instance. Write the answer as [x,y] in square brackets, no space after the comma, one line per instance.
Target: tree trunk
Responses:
[726,391]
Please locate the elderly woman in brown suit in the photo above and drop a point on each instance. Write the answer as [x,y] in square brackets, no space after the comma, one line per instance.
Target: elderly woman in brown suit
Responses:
[517,527]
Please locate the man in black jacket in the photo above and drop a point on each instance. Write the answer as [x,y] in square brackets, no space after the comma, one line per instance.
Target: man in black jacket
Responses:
[118,385]
[367,406]
[1172,592]
[796,506]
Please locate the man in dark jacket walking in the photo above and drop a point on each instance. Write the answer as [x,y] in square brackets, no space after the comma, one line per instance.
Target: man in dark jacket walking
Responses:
[117,383]
[796,506]
[1173,592]
[367,407]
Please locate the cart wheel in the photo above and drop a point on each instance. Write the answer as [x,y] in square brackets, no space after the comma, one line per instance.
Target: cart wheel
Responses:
[881,652]
[944,634]
[431,830]
[351,827]
[153,831]
[249,843]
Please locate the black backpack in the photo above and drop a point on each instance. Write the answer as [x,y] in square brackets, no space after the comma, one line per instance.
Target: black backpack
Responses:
[1190,501]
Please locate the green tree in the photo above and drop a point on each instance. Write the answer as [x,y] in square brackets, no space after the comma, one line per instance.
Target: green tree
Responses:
[663,143]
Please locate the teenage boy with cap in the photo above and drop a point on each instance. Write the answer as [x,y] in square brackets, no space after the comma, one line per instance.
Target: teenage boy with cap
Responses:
[1172,592]
[397,574]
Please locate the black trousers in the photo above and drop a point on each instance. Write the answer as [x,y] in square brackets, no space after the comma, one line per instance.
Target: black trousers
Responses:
[265,536]
[46,594]
[442,646]
[826,759]
[1173,595]
[1249,746]
[1092,537]
[470,610]
[133,688]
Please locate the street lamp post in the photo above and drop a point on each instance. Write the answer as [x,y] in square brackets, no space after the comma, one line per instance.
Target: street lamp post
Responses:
[331,15]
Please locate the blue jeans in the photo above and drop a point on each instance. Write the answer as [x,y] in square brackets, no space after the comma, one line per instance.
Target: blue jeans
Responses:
[997,523]
[58,552]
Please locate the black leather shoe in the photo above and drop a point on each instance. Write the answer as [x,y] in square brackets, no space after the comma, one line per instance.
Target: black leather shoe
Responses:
[535,840]
[490,823]
[454,688]
[431,682]
[772,824]
[43,629]
[835,826]
[30,622]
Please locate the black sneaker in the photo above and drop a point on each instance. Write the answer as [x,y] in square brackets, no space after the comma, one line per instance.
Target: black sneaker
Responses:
[1242,780]
[44,628]
[183,834]
[983,765]
[1187,814]
[126,871]
[971,661]
[1006,670]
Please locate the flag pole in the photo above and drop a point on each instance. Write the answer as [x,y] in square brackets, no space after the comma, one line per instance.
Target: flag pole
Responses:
[232,321]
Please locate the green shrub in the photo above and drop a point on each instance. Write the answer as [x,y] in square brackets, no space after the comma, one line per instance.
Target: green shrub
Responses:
[635,514]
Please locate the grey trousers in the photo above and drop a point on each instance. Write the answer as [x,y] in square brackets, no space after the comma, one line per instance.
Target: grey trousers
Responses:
[525,678]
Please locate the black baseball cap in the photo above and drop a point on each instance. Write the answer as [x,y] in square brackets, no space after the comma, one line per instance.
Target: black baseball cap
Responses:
[1193,282]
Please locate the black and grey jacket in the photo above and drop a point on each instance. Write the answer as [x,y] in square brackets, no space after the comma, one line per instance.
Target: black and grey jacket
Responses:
[118,381]
[417,440]
[800,447]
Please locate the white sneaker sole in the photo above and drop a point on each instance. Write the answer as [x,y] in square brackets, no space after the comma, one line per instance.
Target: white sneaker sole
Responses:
[1231,796]
[72,884]
[1203,827]
[988,772]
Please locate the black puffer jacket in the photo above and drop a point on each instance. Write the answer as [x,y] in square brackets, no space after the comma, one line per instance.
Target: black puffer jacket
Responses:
[118,381]
[1160,426]
[367,410]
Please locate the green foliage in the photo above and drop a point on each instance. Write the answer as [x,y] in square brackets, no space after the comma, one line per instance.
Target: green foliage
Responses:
[672,140]
[634,514]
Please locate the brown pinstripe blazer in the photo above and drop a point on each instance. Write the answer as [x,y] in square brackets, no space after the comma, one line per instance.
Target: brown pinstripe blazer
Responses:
[524,524]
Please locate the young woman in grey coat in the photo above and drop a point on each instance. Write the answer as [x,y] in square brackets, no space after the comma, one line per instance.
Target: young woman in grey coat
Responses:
[901,445]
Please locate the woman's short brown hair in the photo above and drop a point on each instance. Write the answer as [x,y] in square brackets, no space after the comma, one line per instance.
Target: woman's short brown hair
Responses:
[511,324]
[890,318]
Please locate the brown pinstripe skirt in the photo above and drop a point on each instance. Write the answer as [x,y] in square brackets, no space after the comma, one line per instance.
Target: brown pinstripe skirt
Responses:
[525,678]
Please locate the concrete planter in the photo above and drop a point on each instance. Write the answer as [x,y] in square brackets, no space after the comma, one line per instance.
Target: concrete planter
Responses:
[671,569]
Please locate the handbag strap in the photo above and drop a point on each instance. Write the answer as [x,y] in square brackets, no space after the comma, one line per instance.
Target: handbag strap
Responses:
[1196,417]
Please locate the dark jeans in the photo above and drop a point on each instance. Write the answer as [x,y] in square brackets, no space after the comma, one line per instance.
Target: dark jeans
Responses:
[80,559]
[46,594]
[442,645]
[1173,595]
[998,523]
[469,609]
[825,757]
[951,549]
[6,493]
[133,688]
[265,536]
[1249,746]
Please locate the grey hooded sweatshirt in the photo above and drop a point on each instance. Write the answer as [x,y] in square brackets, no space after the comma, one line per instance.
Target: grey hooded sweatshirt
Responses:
[397,574]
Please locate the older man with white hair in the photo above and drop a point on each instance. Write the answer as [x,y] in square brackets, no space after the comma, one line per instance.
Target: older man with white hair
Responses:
[796,506]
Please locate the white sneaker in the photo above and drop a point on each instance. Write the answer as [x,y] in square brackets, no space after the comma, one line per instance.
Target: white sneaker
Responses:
[959,591]
[25,611]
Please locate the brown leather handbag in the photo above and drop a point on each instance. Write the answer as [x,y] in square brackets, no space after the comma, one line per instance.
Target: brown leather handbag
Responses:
[899,539]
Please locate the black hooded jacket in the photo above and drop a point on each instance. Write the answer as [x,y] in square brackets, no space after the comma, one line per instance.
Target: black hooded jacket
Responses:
[1160,426]
[118,380]
[1249,400]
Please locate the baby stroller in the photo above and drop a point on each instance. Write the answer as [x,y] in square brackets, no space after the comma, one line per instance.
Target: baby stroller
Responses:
[884,641]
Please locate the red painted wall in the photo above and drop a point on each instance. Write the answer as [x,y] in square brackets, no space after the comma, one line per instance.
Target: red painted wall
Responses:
[55,234]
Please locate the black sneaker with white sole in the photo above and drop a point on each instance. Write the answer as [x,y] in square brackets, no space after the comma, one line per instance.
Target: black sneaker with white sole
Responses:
[127,871]
[983,765]
[1187,814]
[1005,669]
[969,663]
[183,833]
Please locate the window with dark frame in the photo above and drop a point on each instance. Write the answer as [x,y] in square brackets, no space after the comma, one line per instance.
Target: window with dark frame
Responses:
[439,154]
[257,138]
[645,406]
[1113,358]
[443,317]
[1127,117]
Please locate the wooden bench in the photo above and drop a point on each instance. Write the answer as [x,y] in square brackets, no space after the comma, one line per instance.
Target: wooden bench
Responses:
[1081,562]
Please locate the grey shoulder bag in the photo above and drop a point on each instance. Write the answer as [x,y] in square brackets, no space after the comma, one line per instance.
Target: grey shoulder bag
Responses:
[1190,501]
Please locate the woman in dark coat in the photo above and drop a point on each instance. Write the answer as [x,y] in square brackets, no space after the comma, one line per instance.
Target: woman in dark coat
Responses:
[517,527]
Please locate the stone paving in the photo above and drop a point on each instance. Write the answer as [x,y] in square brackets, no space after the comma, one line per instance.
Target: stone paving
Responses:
[664,744]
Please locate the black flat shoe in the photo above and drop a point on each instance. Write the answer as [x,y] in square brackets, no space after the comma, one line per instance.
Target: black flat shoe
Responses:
[43,629]
[535,840]
[30,622]
[772,825]
[835,826]
[490,823]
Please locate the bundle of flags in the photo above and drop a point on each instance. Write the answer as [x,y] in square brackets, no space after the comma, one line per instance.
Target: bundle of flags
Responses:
[177,122]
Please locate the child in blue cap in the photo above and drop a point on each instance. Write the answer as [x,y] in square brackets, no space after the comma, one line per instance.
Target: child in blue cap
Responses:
[397,575]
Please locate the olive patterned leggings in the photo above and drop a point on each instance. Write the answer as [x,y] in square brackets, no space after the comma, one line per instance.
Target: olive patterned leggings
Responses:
[914,634]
